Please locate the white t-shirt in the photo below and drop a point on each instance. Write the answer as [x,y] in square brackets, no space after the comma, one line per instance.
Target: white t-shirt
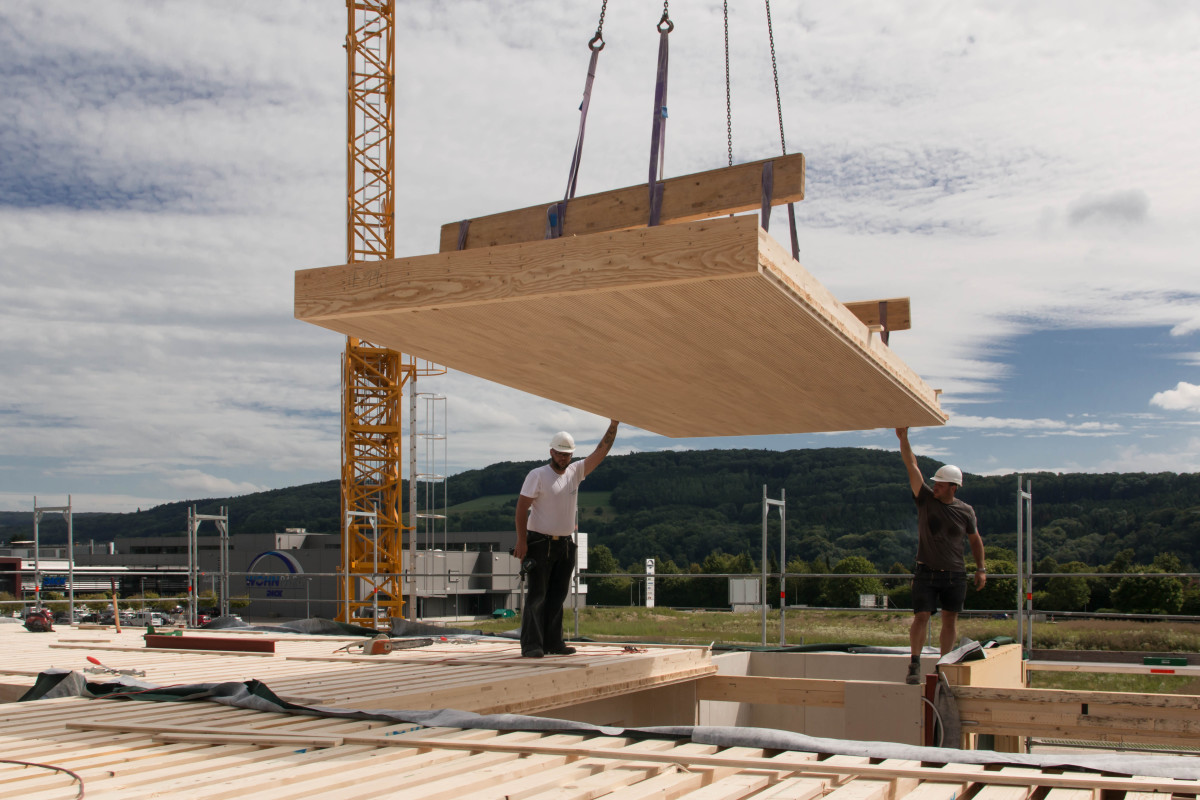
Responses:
[555,498]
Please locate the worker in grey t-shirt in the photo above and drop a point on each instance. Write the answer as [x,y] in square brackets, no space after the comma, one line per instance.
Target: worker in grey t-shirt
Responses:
[940,576]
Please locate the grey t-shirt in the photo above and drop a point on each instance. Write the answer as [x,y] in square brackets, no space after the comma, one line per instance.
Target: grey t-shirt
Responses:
[941,528]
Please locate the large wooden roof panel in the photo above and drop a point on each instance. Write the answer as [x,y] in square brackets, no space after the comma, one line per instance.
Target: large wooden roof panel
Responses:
[695,329]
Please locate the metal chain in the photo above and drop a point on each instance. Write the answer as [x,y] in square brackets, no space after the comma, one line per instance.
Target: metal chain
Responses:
[665,20]
[728,104]
[775,71]
[599,37]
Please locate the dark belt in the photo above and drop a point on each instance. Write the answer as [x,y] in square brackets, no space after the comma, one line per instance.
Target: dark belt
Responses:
[548,536]
[924,568]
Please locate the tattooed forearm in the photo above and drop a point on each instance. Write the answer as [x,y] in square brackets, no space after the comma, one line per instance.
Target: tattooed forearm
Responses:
[610,436]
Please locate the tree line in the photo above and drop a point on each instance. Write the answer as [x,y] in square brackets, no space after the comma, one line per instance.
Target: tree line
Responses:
[700,512]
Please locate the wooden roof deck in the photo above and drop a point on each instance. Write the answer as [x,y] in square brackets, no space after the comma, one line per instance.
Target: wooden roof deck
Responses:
[129,749]
[484,676]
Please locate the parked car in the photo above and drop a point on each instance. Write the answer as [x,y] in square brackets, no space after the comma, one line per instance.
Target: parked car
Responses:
[202,619]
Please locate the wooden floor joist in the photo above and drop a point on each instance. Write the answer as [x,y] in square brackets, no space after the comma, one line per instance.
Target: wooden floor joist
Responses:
[122,750]
[693,329]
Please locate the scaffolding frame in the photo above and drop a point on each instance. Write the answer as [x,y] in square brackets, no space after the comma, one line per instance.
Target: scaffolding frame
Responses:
[37,562]
[222,522]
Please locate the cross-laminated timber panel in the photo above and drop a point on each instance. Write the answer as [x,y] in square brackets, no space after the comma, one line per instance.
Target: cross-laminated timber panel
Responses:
[485,676]
[697,329]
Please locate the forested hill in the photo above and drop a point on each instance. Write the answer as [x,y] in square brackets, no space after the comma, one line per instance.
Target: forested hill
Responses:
[685,505]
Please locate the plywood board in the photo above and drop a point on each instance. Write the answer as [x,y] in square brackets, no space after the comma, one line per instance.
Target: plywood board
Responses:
[697,329]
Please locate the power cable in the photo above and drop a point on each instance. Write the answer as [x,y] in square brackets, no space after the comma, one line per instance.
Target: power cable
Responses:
[74,775]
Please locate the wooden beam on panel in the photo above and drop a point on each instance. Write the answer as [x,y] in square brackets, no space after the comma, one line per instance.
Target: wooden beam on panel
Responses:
[899,318]
[1090,716]
[777,691]
[697,329]
[718,192]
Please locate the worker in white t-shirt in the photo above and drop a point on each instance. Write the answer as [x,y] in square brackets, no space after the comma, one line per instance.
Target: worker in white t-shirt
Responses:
[546,513]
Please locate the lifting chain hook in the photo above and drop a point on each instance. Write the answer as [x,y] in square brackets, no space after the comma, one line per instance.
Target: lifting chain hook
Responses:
[666,20]
[599,37]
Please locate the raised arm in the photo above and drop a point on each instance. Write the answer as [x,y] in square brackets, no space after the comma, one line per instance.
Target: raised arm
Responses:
[915,480]
[593,461]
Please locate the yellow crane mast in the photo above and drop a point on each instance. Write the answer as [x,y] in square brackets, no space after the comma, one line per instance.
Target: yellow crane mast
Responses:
[373,377]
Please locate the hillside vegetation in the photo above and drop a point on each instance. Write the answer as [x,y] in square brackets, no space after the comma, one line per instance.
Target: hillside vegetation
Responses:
[849,510]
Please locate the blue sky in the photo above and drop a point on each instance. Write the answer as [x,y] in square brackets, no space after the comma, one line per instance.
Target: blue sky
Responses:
[1025,173]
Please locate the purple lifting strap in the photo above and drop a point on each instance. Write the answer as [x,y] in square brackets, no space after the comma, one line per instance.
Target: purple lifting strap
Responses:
[883,321]
[796,239]
[573,176]
[768,189]
[556,213]
[462,233]
[658,131]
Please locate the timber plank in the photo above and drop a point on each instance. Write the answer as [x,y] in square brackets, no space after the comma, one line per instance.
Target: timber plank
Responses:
[785,691]
[1094,716]
[899,315]
[797,788]
[1108,666]
[572,772]
[729,190]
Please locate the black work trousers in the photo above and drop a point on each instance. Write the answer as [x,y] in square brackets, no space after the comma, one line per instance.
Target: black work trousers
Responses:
[549,583]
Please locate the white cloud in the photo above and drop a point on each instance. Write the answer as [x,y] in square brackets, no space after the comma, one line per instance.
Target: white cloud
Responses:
[1041,424]
[1184,397]
[165,170]
[1178,456]
[195,483]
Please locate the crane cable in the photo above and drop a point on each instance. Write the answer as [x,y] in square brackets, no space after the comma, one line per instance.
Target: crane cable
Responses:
[728,100]
[782,139]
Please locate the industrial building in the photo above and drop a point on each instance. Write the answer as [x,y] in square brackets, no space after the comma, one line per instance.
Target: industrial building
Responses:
[287,575]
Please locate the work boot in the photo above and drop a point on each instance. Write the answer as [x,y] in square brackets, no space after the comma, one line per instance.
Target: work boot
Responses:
[562,651]
[534,653]
[914,673]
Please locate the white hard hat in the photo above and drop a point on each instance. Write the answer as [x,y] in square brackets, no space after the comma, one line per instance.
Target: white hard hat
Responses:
[948,474]
[563,442]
